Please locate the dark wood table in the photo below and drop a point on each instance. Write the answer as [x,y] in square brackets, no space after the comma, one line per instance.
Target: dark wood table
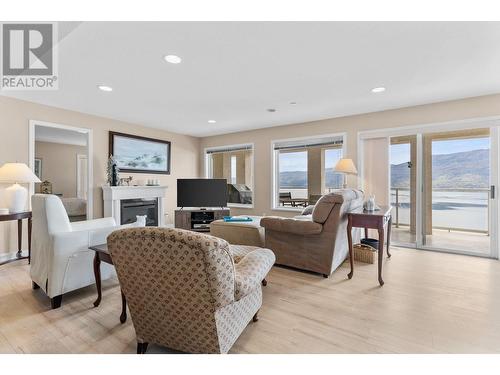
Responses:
[19,216]
[378,220]
[294,202]
[102,255]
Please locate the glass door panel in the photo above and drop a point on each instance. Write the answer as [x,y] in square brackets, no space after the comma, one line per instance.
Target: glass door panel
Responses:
[403,190]
[456,191]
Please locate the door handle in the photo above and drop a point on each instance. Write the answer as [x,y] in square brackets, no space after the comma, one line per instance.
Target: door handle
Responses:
[492,191]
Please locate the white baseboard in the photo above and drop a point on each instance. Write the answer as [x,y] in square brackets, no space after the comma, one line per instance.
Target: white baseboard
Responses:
[7,257]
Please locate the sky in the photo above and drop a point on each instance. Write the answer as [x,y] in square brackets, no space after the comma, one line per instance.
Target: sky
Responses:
[297,161]
[401,153]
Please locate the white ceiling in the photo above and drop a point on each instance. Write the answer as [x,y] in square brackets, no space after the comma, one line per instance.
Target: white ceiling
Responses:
[232,72]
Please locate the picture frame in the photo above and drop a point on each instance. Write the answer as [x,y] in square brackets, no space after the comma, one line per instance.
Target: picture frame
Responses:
[37,170]
[136,154]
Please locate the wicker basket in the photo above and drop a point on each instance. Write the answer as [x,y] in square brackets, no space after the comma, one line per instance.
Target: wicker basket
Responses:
[364,253]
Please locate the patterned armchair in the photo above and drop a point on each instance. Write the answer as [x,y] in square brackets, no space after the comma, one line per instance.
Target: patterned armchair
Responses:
[188,291]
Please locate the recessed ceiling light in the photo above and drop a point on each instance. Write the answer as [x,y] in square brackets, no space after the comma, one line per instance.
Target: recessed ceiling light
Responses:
[271,110]
[212,121]
[173,59]
[378,89]
[105,88]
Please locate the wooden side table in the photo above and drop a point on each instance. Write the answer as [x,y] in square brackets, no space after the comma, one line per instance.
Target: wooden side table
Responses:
[378,220]
[102,255]
[19,216]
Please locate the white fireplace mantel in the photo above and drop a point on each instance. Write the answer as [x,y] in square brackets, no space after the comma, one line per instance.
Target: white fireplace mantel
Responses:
[112,195]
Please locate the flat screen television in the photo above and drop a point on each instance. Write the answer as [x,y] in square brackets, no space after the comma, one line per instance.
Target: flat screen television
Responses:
[201,192]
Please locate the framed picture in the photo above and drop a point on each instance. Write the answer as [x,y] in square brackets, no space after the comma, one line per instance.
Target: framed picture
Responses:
[38,168]
[137,154]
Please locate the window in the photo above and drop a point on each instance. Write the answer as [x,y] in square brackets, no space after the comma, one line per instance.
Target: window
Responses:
[293,174]
[233,169]
[235,164]
[333,180]
[303,170]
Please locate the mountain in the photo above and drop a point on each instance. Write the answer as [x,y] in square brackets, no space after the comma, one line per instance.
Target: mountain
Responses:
[298,179]
[469,169]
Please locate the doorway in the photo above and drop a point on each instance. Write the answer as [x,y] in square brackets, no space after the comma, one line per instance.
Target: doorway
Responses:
[457,191]
[62,157]
[403,185]
[441,181]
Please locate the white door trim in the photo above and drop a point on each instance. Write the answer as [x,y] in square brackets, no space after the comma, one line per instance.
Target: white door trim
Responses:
[492,123]
[90,153]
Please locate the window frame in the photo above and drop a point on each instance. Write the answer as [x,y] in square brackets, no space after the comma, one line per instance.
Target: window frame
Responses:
[208,168]
[324,150]
[274,198]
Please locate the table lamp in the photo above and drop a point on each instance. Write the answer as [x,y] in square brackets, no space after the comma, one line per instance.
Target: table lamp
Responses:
[16,195]
[345,166]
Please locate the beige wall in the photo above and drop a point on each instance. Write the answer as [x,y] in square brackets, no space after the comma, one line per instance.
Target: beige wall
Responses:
[221,164]
[14,128]
[59,166]
[425,114]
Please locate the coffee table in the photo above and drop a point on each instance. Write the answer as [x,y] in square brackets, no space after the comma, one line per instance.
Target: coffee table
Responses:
[102,255]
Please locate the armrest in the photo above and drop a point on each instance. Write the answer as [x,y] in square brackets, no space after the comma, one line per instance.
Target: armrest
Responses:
[65,244]
[295,226]
[251,270]
[93,224]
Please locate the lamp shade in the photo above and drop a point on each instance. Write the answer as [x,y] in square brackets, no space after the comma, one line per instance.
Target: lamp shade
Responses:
[17,173]
[345,166]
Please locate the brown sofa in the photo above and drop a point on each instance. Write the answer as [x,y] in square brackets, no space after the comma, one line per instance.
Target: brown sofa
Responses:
[316,243]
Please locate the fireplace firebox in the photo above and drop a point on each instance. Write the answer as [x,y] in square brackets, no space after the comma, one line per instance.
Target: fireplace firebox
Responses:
[130,208]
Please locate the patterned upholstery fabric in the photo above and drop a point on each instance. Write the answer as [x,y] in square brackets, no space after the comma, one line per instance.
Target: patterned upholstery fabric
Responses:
[251,270]
[181,287]
[238,252]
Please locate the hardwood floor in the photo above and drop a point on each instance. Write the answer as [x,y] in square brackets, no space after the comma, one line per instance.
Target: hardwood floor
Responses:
[430,303]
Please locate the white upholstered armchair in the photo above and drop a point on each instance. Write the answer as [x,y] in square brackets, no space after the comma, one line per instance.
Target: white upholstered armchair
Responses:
[60,259]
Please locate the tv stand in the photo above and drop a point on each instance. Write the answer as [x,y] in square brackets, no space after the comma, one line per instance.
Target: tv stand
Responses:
[198,219]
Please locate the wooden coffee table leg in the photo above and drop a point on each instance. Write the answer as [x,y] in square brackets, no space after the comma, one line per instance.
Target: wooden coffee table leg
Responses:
[123,316]
[380,253]
[97,273]
[349,240]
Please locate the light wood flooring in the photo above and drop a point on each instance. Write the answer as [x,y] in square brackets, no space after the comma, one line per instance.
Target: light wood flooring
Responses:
[430,303]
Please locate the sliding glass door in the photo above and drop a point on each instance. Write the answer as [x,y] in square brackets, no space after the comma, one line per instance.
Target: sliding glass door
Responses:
[403,185]
[457,191]
[442,189]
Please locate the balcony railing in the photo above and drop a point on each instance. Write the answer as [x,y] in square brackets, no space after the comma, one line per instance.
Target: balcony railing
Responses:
[449,199]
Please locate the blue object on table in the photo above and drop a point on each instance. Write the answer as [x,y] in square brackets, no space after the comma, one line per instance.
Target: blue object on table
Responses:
[237,218]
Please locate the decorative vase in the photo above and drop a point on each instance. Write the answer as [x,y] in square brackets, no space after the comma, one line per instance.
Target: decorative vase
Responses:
[370,203]
[114,176]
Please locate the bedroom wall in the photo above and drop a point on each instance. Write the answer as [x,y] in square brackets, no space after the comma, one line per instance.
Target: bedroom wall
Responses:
[14,143]
[59,166]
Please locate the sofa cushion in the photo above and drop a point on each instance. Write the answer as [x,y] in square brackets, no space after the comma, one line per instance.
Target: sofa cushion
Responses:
[327,202]
[308,210]
[295,226]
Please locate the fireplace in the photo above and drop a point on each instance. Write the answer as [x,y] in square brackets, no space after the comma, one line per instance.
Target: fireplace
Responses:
[130,208]
[115,197]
